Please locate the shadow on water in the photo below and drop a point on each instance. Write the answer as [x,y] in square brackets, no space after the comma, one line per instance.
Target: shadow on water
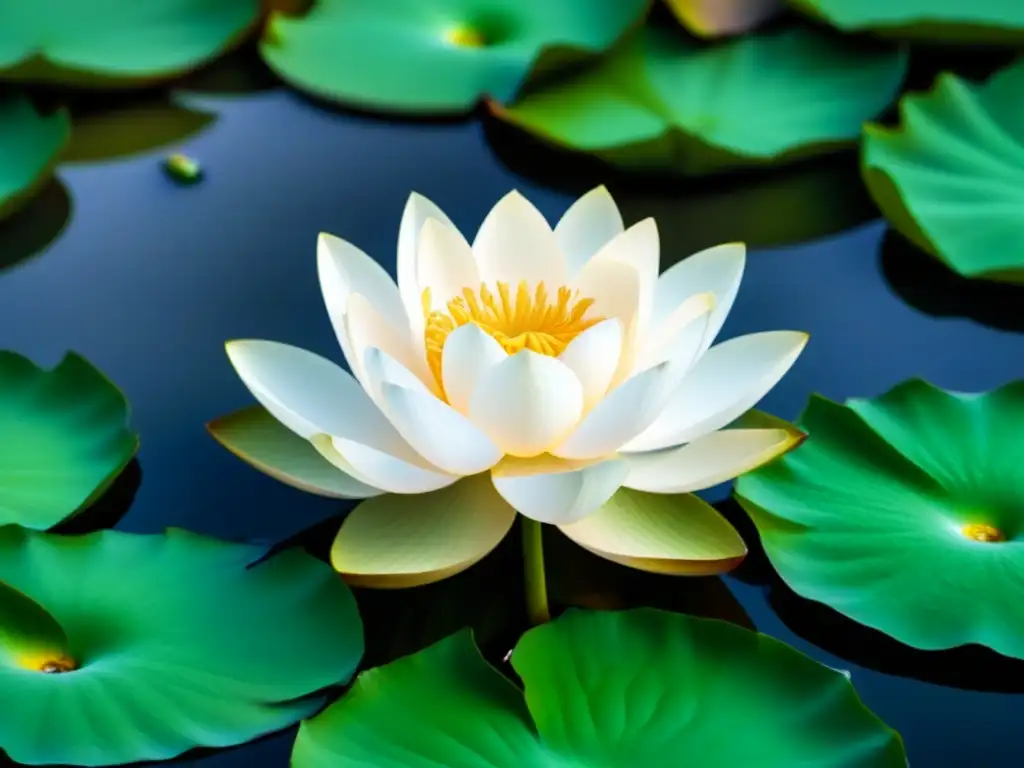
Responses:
[763,208]
[488,597]
[108,509]
[109,127]
[239,73]
[973,668]
[34,227]
[929,286]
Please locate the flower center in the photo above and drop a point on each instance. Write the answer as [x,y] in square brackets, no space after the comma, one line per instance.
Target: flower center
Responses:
[534,321]
[982,532]
[465,37]
[47,664]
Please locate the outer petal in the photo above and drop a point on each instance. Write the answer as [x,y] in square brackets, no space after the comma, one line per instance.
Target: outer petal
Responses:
[527,403]
[718,270]
[259,439]
[417,210]
[516,243]
[379,468]
[367,328]
[590,223]
[344,270]
[468,353]
[594,357]
[444,263]
[624,413]
[551,490]
[728,381]
[706,462]
[676,535]
[438,432]
[381,367]
[307,393]
[682,338]
[399,541]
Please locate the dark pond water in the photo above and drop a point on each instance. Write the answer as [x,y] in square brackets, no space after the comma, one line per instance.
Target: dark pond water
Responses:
[149,279]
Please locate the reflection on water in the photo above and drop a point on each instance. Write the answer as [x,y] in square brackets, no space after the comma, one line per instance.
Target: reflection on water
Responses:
[927,284]
[150,279]
[29,231]
[780,207]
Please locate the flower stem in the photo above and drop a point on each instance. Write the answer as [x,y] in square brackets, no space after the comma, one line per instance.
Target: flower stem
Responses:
[533,570]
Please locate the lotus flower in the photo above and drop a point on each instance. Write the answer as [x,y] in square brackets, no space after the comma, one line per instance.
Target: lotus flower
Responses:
[546,372]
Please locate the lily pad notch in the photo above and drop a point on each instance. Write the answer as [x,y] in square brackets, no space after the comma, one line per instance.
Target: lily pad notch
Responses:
[437,57]
[662,103]
[585,675]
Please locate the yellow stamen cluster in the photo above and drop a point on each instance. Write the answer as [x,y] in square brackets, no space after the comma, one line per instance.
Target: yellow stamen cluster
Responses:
[465,37]
[982,532]
[520,321]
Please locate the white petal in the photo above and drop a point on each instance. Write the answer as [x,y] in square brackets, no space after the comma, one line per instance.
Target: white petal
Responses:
[379,468]
[638,247]
[367,328]
[468,352]
[516,243]
[615,288]
[558,492]
[589,224]
[724,384]
[307,393]
[594,356]
[624,413]
[706,462]
[682,338]
[718,270]
[527,403]
[438,432]
[344,270]
[417,210]
[445,263]
[382,368]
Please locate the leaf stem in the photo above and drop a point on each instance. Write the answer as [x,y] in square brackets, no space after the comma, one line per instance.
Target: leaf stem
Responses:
[533,571]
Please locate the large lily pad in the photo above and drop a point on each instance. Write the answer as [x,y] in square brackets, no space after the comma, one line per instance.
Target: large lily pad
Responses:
[950,177]
[905,513]
[30,146]
[158,644]
[978,21]
[436,56]
[662,102]
[65,439]
[106,42]
[608,690]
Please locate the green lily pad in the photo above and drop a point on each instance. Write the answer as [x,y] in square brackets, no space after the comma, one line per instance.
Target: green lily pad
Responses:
[65,439]
[904,512]
[950,177]
[661,102]
[436,56]
[111,42]
[30,145]
[159,644]
[607,690]
[980,21]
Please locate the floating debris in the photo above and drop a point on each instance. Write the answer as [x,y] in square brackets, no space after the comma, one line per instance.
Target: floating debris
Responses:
[183,168]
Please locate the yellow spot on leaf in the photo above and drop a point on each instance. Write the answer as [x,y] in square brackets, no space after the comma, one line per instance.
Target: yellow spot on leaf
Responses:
[982,532]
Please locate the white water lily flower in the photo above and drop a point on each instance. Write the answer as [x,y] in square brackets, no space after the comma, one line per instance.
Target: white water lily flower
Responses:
[536,370]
